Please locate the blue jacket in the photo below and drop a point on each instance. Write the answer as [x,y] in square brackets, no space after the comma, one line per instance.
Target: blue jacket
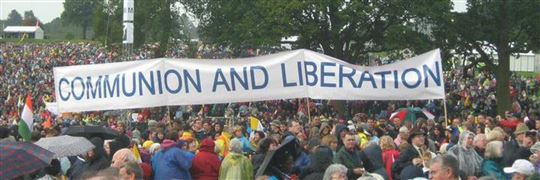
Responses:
[492,168]
[301,163]
[172,163]
[246,145]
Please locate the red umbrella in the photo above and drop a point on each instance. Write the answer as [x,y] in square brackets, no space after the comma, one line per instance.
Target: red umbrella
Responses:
[20,158]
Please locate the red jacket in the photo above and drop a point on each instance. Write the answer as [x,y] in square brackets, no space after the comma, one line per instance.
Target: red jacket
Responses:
[389,157]
[206,164]
[512,124]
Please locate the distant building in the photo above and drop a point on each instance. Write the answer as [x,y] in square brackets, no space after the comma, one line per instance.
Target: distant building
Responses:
[526,62]
[34,32]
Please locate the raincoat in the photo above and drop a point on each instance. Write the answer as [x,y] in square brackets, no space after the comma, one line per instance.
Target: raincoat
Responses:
[469,161]
[236,166]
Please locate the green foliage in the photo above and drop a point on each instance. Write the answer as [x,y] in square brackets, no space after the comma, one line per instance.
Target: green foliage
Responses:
[29,19]
[154,21]
[70,36]
[343,29]
[79,13]
[58,30]
[14,18]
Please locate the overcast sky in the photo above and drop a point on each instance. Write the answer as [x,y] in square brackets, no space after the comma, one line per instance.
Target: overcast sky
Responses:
[47,10]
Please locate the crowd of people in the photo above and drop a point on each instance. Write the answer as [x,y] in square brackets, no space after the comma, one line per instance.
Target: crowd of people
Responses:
[301,139]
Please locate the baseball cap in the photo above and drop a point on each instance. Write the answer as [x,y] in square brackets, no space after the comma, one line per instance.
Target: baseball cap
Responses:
[521,166]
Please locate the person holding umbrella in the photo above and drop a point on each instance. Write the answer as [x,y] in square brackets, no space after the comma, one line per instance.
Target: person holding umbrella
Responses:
[93,160]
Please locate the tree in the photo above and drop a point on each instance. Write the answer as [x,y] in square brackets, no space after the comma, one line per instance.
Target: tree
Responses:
[495,30]
[154,21]
[29,19]
[14,18]
[79,13]
[347,30]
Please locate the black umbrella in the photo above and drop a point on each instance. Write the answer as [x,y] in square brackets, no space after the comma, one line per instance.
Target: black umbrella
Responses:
[276,165]
[91,131]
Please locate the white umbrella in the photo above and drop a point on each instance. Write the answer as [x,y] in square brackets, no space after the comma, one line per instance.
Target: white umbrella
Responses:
[66,145]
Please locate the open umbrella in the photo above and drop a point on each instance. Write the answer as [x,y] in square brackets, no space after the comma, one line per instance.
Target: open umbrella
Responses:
[63,146]
[91,131]
[20,158]
[275,165]
[409,114]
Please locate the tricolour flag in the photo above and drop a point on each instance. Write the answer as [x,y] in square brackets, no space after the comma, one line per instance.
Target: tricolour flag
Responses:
[27,116]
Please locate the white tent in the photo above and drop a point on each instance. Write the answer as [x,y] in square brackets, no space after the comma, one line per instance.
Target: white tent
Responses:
[34,31]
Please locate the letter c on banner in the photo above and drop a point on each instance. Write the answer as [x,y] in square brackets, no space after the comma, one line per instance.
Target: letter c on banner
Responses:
[73,88]
[60,89]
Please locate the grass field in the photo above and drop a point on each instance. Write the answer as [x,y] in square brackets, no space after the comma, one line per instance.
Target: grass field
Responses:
[528,74]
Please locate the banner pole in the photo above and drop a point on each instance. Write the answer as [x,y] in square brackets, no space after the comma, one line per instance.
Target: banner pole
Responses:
[308,109]
[445,115]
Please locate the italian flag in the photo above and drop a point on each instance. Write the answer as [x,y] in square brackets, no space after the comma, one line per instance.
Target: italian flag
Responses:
[27,116]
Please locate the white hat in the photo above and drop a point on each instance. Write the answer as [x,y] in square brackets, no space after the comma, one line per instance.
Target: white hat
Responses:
[371,176]
[521,166]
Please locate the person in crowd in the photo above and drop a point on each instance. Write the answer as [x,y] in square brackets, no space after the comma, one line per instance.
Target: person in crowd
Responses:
[321,159]
[206,163]
[198,130]
[402,136]
[122,157]
[497,134]
[349,155]
[516,148]
[479,143]
[437,135]
[389,154]
[93,160]
[171,162]
[331,142]
[373,162]
[246,145]
[265,145]
[535,157]
[491,166]
[521,169]
[130,171]
[470,163]
[274,127]
[257,136]
[411,155]
[444,167]
[336,172]
[236,165]
[314,126]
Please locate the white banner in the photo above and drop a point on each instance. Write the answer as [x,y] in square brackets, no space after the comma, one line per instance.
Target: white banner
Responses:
[292,74]
[127,38]
[129,10]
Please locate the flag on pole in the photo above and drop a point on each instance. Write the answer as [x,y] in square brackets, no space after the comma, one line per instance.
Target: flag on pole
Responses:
[27,116]
[255,125]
